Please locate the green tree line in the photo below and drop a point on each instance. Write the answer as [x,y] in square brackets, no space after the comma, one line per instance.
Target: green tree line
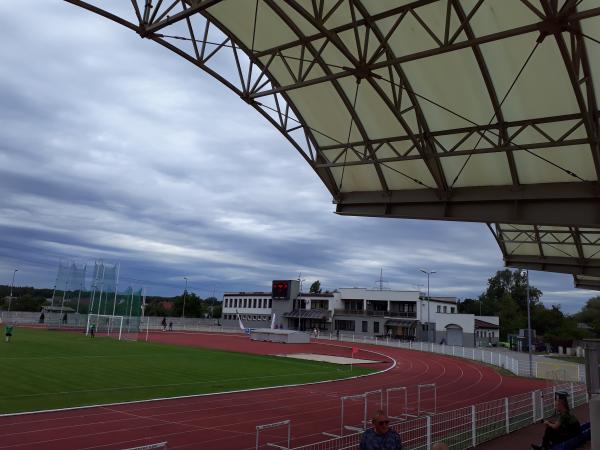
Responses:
[506,297]
[32,299]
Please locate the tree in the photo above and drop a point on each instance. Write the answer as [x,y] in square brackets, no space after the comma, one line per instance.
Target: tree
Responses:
[509,282]
[590,314]
[28,302]
[468,306]
[547,321]
[315,288]
[217,311]
[155,308]
[511,317]
[506,295]
[193,306]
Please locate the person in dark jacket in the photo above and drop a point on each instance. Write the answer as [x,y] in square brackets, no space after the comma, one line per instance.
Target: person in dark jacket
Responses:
[562,429]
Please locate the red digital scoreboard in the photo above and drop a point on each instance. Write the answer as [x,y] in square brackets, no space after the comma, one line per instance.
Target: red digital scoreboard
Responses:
[281,290]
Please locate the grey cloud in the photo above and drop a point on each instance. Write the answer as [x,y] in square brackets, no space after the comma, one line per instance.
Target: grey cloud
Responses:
[112,147]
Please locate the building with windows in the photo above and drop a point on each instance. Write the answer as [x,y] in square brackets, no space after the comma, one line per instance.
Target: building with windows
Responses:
[254,308]
[406,315]
[487,330]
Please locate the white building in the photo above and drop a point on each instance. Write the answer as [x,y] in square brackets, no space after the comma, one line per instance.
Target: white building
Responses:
[364,312]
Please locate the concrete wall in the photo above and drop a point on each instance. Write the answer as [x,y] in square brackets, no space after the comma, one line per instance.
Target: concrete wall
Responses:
[153,322]
[465,321]
[468,338]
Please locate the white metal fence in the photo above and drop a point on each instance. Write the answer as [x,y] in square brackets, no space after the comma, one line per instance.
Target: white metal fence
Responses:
[469,426]
[513,362]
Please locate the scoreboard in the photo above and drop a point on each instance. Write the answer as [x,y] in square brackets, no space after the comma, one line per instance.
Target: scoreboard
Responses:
[284,289]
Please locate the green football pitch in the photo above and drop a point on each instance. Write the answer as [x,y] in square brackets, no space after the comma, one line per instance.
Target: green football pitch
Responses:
[51,369]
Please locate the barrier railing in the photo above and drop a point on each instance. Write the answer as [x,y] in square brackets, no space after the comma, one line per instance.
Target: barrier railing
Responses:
[549,370]
[469,426]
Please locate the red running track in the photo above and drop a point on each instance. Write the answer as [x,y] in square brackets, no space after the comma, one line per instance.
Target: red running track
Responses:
[228,421]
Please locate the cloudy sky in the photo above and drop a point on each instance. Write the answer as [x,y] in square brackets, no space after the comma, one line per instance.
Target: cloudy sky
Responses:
[113,148]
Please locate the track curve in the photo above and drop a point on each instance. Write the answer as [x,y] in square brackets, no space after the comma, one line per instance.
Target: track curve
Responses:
[228,421]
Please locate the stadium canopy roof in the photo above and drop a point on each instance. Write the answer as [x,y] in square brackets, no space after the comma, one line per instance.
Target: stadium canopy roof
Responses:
[470,110]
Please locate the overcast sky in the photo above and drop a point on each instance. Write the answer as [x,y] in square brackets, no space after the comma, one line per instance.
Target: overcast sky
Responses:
[113,148]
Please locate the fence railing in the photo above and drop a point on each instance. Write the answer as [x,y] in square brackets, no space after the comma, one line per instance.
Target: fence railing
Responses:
[469,426]
[549,370]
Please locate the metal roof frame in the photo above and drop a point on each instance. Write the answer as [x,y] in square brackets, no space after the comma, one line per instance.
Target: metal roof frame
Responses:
[423,157]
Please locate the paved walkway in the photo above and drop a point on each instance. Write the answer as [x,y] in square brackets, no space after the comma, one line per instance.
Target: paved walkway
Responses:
[523,438]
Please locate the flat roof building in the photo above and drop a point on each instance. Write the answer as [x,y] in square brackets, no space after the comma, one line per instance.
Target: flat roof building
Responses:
[396,314]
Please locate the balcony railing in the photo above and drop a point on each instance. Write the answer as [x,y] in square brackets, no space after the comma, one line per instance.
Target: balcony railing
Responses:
[362,312]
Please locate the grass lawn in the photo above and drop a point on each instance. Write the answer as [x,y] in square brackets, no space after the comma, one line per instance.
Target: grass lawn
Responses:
[571,359]
[53,369]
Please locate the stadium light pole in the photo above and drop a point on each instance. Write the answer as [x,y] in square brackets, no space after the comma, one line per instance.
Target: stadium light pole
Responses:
[11,288]
[184,294]
[428,273]
[299,299]
[525,275]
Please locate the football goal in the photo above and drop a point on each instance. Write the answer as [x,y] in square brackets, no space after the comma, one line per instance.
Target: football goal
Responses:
[118,327]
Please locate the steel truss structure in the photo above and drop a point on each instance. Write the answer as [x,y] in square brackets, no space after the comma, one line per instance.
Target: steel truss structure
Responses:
[470,110]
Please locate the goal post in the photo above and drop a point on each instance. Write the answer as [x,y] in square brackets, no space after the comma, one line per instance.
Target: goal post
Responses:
[105,325]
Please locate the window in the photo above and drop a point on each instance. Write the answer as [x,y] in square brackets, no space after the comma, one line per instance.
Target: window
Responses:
[445,309]
[375,327]
[452,309]
[344,325]
[270,303]
[253,317]
[439,308]
[254,303]
[365,326]
[319,304]
[353,305]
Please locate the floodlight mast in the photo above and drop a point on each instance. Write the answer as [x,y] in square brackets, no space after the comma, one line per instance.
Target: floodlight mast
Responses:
[428,273]
[184,295]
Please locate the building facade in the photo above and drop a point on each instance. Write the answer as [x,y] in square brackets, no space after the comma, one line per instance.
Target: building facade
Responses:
[406,315]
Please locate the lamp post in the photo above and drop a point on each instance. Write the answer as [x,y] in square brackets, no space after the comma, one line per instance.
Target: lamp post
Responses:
[525,274]
[428,273]
[184,294]
[11,288]
[299,299]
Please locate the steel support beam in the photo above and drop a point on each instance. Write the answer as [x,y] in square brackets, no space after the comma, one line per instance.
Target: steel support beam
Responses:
[554,264]
[561,204]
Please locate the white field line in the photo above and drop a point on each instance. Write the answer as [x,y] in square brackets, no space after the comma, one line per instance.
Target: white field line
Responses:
[213,393]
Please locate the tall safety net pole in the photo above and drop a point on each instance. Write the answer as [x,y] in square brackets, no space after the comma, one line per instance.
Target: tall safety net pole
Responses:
[116,289]
[184,295]
[11,288]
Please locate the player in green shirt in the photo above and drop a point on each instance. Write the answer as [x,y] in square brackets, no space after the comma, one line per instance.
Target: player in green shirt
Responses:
[8,331]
